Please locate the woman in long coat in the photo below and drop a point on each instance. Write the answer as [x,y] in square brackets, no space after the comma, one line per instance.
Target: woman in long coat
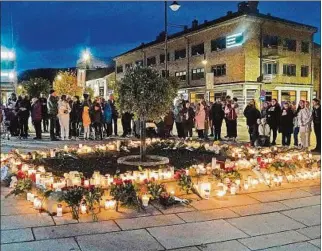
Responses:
[305,123]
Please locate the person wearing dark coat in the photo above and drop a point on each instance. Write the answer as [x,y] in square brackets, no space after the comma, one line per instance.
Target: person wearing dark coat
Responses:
[252,114]
[316,116]
[286,124]
[97,120]
[168,122]
[44,112]
[264,110]
[218,115]
[76,117]
[36,116]
[188,119]
[273,118]
[126,123]
[52,105]
[115,114]
[23,108]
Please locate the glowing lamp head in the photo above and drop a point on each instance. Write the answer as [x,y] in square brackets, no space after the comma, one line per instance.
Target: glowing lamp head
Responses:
[204,62]
[175,6]
[86,55]
[11,75]
[11,55]
[59,77]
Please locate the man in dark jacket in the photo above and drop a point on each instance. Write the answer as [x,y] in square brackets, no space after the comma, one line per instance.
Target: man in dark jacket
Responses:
[76,117]
[188,119]
[217,118]
[126,123]
[52,105]
[252,114]
[44,112]
[97,120]
[316,116]
[114,114]
[23,111]
[273,118]
[36,116]
[286,124]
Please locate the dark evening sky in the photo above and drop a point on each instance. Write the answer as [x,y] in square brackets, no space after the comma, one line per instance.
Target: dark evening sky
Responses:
[53,34]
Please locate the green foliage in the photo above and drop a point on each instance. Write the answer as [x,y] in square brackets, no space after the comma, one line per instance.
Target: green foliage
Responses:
[35,86]
[22,187]
[184,181]
[73,197]
[144,92]
[93,195]
[231,174]
[154,189]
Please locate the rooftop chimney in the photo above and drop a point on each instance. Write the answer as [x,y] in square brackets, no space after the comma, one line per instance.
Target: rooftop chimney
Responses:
[194,24]
[248,7]
[229,13]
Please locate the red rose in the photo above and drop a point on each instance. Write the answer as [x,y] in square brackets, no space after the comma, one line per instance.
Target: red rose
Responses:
[127,181]
[262,165]
[20,175]
[259,159]
[32,177]
[177,175]
[145,181]
[117,181]
[19,166]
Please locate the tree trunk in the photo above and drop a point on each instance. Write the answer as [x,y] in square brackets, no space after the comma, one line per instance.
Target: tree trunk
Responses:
[142,138]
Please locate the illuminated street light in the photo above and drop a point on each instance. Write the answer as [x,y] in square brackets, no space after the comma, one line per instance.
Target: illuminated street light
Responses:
[86,55]
[59,77]
[11,75]
[20,87]
[11,55]
[175,6]
[204,62]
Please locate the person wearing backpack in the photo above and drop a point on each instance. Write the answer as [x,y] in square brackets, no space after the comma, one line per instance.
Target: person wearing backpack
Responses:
[231,120]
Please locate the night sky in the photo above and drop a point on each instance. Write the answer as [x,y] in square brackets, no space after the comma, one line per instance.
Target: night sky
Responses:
[53,34]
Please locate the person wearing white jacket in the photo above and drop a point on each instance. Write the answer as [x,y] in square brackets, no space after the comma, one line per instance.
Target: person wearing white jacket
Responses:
[63,116]
[305,123]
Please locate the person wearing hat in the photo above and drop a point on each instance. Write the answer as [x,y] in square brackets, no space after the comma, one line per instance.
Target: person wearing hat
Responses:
[316,116]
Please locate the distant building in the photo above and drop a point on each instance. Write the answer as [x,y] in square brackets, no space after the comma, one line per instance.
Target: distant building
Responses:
[317,71]
[245,54]
[8,73]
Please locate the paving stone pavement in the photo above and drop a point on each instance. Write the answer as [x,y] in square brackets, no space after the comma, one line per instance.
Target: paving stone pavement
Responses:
[281,219]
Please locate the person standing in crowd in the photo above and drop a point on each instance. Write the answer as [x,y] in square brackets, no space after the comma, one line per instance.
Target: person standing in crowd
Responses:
[14,125]
[178,118]
[264,109]
[217,118]
[52,105]
[36,115]
[316,116]
[114,114]
[107,118]
[63,116]
[76,117]
[252,114]
[97,118]
[273,118]
[211,126]
[305,122]
[44,112]
[168,122]
[200,120]
[231,120]
[86,119]
[23,108]
[126,123]
[207,110]
[224,103]
[286,124]
[188,116]
[296,127]
[264,133]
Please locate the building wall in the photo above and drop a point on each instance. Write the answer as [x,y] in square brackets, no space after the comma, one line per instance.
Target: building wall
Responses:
[317,71]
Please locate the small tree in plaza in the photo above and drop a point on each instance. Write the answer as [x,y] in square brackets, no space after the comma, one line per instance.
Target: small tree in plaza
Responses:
[34,86]
[145,93]
[66,83]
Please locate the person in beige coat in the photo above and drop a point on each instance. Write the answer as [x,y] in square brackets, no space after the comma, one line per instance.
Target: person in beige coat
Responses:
[63,116]
[305,123]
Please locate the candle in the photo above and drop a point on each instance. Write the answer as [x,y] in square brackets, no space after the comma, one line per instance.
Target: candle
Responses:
[83,209]
[254,182]
[37,203]
[31,197]
[59,210]
[246,185]
[172,193]
[118,145]
[33,156]
[205,190]
[237,182]
[80,146]
[239,155]
[233,190]
[28,196]
[38,178]
[310,155]
[221,193]
[52,153]
[213,163]
[145,200]
[110,204]
[86,183]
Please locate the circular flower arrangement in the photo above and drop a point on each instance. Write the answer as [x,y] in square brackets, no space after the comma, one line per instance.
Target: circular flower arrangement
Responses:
[84,179]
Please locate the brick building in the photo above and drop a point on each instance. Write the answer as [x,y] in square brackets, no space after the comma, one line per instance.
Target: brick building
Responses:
[244,54]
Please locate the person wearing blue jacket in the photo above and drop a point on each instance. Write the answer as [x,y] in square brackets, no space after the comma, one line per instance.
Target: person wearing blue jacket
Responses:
[107,117]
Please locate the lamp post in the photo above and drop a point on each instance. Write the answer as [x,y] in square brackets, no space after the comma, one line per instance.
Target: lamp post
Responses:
[174,7]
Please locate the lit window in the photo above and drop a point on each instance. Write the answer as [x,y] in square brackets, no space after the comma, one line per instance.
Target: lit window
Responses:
[181,75]
[270,41]
[197,73]
[218,44]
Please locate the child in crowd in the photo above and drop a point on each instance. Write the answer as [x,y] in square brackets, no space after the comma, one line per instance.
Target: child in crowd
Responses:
[86,121]
[264,132]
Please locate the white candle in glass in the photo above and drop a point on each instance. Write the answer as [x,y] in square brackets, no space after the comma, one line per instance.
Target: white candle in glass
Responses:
[110,204]
[59,210]
[213,163]
[86,183]
[83,209]
[31,198]
[145,200]
[233,190]
[28,196]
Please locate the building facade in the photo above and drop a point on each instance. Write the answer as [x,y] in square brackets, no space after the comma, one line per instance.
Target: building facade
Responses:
[8,78]
[317,71]
[245,54]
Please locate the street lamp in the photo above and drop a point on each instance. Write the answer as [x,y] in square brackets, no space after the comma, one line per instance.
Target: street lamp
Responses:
[174,7]
[86,55]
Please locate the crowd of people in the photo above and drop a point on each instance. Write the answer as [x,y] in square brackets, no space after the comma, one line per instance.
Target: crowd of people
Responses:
[68,117]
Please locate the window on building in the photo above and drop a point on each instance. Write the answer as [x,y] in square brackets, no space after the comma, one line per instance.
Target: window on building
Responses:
[151,61]
[220,95]
[119,69]
[218,44]
[270,68]
[139,62]
[181,75]
[101,91]
[197,74]
[289,69]
[270,41]
[163,73]
[288,96]
[289,44]
[271,95]
[219,70]
[162,57]
[196,97]
[197,49]
[128,66]
[303,95]
[179,54]
[305,47]
[304,71]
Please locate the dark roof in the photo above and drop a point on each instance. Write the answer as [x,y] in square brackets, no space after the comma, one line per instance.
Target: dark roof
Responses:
[98,73]
[205,25]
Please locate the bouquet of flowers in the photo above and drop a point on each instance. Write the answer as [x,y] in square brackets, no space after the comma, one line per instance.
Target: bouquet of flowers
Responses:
[154,189]
[73,197]
[93,195]
[185,182]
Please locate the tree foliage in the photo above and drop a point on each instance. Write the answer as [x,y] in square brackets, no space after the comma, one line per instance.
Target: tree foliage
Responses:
[34,86]
[66,83]
[145,93]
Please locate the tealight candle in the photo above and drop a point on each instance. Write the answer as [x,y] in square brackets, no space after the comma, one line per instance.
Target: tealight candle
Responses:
[52,153]
[110,204]
[221,193]
[118,145]
[59,210]
[246,186]
[172,193]
[37,203]
[86,183]
[80,146]
[66,148]
[233,190]
[213,163]
[83,209]
[145,200]
[28,196]
[31,197]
